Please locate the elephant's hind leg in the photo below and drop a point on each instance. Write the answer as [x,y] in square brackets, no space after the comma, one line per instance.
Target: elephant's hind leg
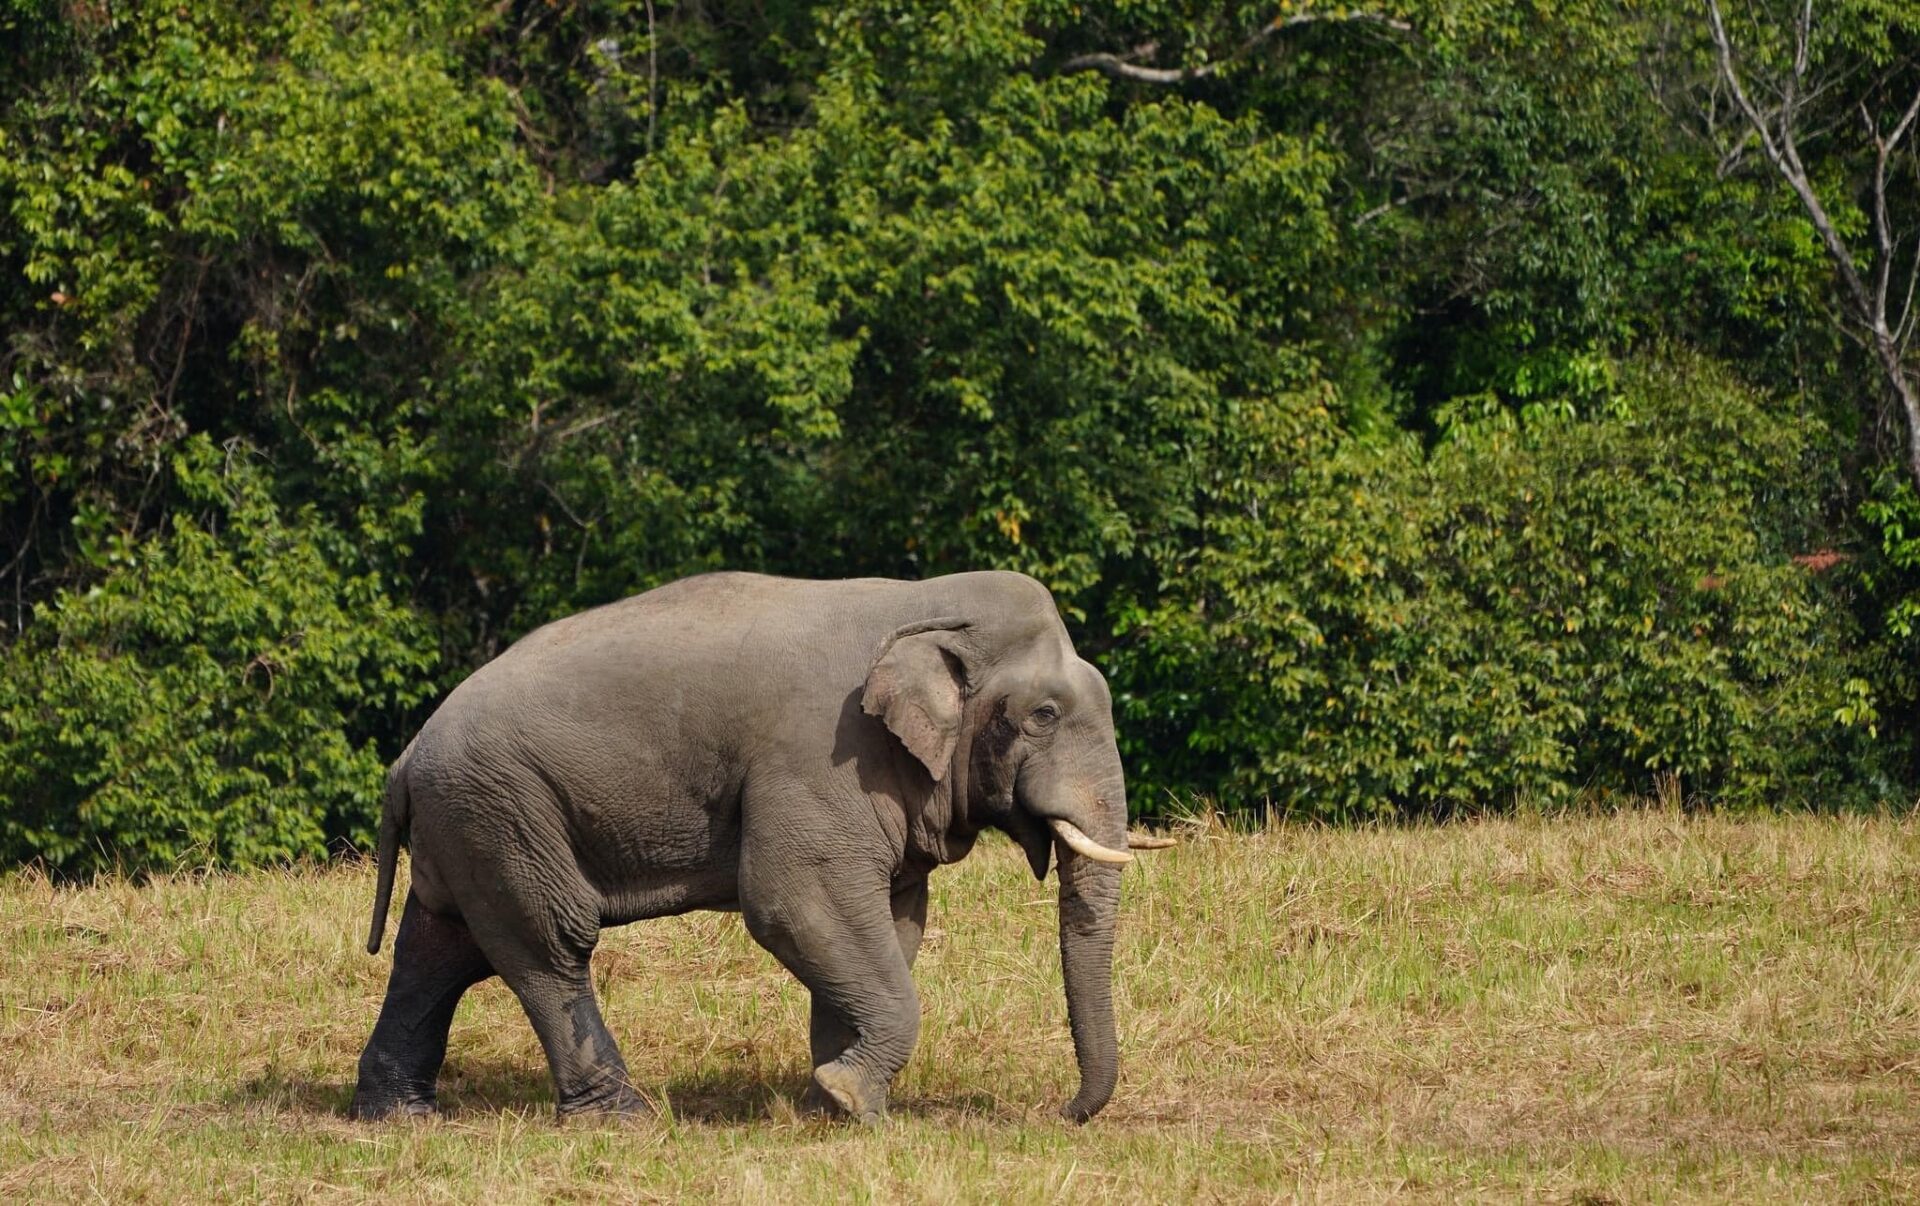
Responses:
[589,1075]
[539,934]
[435,960]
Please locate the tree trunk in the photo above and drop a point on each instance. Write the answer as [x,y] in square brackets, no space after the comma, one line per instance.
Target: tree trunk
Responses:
[1905,393]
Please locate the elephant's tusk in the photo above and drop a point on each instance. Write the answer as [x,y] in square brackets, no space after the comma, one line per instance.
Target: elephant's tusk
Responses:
[1146,841]
[1080,843]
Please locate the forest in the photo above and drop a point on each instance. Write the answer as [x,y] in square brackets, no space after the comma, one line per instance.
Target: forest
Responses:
[1417,409]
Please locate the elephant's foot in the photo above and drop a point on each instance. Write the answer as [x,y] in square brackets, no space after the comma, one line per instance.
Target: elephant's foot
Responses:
[814,1100]
[839,1090]
[373,1107]
[618,1103]
[390,1088]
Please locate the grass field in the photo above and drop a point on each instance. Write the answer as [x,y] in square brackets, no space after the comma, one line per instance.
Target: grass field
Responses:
[1639,1007]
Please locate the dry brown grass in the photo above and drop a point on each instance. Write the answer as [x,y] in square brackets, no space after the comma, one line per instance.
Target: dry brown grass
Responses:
[1639,1007]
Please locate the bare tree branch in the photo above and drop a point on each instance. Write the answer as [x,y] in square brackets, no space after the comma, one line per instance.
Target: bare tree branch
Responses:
[1903,330]
[1882,234]
[1790,92]
[1802,39]
[1785,158]
[1906,122]
[1408,197]
[653,76]
[1119,68]
[1868,306]
[1124,67]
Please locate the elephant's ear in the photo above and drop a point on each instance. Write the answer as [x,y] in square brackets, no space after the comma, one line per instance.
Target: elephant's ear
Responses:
[916,687]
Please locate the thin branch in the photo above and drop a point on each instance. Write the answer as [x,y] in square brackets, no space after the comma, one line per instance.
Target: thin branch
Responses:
[557,497]
[1870,308]
[653,77]
[1279,23]
[1802,35]
[1407,198]
[1904,322]
[18,572]
[1118,68]
[1903,330]
[1733,157]
[586,425]
[1882,226]
[1123,67]
[1381,210]
[1802,38]
[186,335]
[1908,316]
[1786,159]
[1906,122]
[19,598]
[1882,229]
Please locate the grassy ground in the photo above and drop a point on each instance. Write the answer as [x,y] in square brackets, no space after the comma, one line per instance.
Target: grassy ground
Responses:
[1612,1009]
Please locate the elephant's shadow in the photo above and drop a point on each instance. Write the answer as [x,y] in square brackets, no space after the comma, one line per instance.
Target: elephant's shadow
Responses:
[474,1088]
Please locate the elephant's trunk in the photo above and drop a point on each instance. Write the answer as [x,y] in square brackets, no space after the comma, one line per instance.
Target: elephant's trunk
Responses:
[1089,903]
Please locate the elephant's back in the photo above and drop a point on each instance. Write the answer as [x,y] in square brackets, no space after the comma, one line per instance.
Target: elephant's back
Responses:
[695,672]
[713,633]
[720,647]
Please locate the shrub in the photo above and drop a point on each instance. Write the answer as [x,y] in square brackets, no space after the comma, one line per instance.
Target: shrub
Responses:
[1535,607]
[216,695]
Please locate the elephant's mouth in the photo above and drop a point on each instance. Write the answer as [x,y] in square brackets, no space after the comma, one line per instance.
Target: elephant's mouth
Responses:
[1041,832]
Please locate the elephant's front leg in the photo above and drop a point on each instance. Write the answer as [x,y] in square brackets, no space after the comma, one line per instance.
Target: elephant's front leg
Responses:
[829,1034]
[842,943]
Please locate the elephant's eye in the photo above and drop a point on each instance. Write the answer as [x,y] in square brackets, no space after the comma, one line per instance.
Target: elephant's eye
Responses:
[1046,713]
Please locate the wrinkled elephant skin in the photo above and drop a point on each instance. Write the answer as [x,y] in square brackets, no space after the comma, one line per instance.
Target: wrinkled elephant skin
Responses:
[803,752]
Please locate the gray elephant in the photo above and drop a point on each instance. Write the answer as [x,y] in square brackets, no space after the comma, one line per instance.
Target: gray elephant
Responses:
[803,752]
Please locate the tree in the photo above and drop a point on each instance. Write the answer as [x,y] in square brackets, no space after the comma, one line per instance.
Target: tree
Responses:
[1878,304]
[1354,377]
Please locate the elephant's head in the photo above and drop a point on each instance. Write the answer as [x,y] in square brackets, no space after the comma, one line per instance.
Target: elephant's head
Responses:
[1016,731]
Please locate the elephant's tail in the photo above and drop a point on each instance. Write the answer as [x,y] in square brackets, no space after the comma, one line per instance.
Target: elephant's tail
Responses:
[394,816]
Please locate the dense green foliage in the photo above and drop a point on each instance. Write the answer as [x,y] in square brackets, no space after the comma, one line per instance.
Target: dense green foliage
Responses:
[126,697]
[1535,606]
[1411,414]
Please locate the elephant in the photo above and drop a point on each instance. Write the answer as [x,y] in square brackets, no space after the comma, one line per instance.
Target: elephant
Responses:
[802,752]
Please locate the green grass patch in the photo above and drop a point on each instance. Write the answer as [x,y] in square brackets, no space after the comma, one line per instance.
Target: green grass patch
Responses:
[1639,1007]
